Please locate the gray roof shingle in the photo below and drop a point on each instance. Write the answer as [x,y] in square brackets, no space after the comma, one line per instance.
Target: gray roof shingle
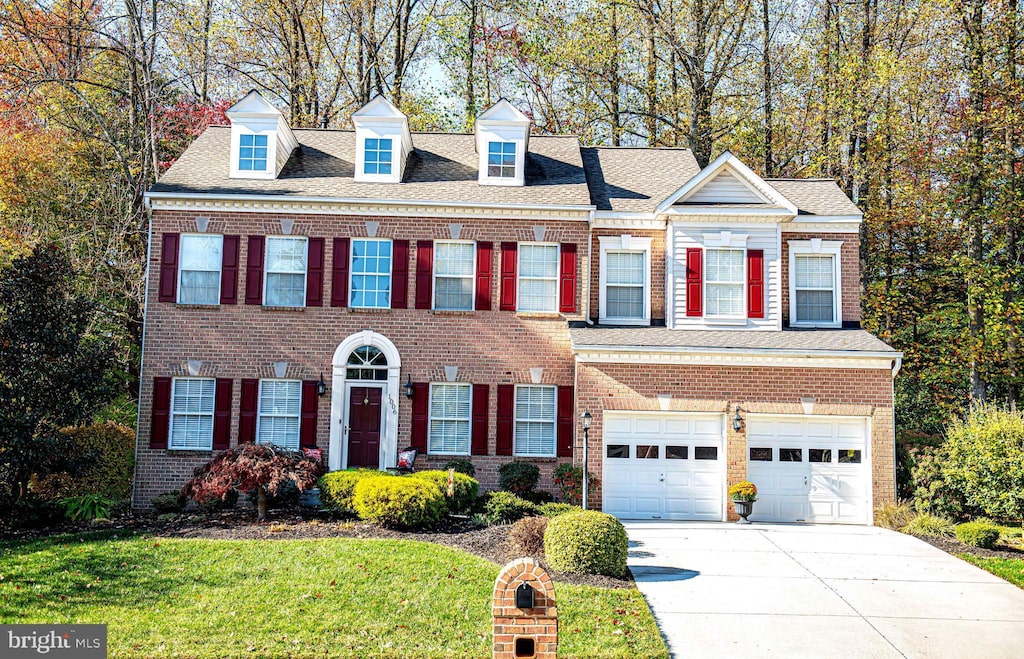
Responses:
[442,167]
[636,179]
[851,340]
[815,196]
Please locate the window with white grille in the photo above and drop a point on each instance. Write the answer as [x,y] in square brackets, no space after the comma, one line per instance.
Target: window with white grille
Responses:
[279,408]
[814,283]
[538,277]
[535,421]
[725,282]
[192,414]
[200,260]
[454,267]
[450,410]
[371,274]
[286,271]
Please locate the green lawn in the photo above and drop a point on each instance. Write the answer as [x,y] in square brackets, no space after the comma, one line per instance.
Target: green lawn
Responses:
[339,597]
[1011,569]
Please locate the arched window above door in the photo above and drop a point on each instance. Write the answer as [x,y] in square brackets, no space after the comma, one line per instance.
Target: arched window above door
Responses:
[366,363]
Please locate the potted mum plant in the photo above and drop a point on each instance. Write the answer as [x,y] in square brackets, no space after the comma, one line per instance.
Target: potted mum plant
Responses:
[743,495]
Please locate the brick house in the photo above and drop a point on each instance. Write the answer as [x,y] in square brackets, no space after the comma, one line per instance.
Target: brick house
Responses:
[471,295]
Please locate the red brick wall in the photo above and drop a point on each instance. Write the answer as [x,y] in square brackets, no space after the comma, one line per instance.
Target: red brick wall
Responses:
[849,258]
[853,392]
[242,341]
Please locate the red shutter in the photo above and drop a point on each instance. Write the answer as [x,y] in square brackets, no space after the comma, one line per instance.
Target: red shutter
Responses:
[222,414]
[315,273]
[420,415]
[755,283]
[694,282]
[484,274]
[509,264]
[400,274]
[160,416]
[424,273]
[254,271]
[168,288]
[481,399]
[339,273]
[307,420]
[247,410]
[229,270]
[566,421]
[506,411]
[567,279]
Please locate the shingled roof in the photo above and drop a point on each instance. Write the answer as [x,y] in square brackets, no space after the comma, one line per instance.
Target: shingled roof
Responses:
[847,340]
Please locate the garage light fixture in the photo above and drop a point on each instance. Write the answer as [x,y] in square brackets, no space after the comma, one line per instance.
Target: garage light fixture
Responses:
[407,388]
[737,421]
[321,386]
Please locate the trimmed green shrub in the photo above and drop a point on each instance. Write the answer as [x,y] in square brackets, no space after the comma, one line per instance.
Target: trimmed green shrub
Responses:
[933,493]
[461,465]
[226,502]
[556,509]
[397,501]
[527,535]
[338,487]
[981,533]
[466,489]
[519,478]
[504,507]
[586,542]
[929,525]
[100,459]
[171,502]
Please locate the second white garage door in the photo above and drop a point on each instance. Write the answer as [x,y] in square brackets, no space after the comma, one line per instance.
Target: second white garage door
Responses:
[809,468]
[664,466]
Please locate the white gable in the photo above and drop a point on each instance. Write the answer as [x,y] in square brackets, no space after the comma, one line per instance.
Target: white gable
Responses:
[255,117]
[502,122]
[380,119]
[727,181]
[725,188]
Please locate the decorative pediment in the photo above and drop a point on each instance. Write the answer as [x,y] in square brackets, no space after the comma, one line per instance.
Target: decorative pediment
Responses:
[727,182]
[380,122]
[261,139]
[502,142]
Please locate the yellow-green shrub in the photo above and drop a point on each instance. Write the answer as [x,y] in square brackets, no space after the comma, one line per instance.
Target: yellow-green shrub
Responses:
[981,533]
[466,489]
[398,501]
[103,457]
[586,542]
[338,487]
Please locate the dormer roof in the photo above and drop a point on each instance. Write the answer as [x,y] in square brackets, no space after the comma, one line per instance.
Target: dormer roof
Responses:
[727,181]
[253,115]
[382,111]
[252,105]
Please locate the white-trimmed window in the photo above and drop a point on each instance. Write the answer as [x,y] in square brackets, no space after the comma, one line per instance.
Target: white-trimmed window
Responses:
[625,280]
[192,414]
[377,155]
[535,421]
[285,284]
[450,409]
[278,419]
[371,274]
[725,282]
[252,153]
[200,259]
[814,283]
[501,159]
[454,271]
[538,277]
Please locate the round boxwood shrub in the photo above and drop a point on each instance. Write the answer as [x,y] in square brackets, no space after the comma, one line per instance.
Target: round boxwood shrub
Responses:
[586,542]
[338,487]
[520,478]
[981,533]
[397,501]
[556,509]
[466,488]
[505,507]
[170,502]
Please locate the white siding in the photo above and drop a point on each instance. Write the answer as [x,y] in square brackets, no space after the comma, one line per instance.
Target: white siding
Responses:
[725,188]
[760,236]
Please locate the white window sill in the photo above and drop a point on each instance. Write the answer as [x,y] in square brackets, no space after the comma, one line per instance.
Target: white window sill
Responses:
[538,314]
[281,307]
[639,322]
[189,450]
[798,325]
[195,305]
[724,320]
[452,312]
[447,455]
[370,309]
[535,457]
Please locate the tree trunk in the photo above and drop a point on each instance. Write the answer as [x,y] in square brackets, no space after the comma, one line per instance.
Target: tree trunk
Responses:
[261,503]
[651,121]
[766,62]
[613,80]
[471,108]
[973,21]
[1013,214]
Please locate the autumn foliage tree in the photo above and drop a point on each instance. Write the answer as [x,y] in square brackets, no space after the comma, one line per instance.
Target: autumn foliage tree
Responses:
[260,468]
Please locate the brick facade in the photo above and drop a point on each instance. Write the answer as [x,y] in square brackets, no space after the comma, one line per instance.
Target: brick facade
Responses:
[657,269]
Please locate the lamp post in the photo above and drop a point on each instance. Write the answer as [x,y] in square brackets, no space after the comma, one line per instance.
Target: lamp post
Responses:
[585,418]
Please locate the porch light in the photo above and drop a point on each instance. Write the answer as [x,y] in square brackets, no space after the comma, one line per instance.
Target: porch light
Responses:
[321,386]
[407,388]
[586,418]
[737,420]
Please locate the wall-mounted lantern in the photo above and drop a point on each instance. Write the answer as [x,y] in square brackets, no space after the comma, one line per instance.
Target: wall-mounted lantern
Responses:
[737,420]
[407,388]
[321,386]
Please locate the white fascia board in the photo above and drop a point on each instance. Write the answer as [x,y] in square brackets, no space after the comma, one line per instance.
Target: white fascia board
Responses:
[744,173]
[683,211]
[738,356]
[639,221]
[828,218]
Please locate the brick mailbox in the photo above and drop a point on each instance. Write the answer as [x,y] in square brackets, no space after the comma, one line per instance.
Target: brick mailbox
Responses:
[525,616]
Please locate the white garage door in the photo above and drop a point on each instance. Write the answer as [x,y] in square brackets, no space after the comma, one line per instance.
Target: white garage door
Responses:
[809,469]
[663,466]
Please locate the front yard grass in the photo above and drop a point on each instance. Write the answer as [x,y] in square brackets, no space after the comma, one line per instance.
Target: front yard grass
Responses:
[1011,569]
[296,598]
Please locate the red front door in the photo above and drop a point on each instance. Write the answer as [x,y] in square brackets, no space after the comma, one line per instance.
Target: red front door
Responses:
[364,427]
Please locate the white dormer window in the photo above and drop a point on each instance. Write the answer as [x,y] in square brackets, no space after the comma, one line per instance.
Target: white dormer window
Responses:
[501,159]
[377,156]
[252,153]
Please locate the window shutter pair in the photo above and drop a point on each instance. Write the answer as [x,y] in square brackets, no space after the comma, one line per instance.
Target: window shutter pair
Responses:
[167,289]
[421,417]
[567,278]
[565,420]
[314,271]
[425,274]
[695,282]
[399,273]
[160,416]
[249,407]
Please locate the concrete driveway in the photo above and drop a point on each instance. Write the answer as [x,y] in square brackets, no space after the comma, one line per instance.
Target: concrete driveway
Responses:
[725,590]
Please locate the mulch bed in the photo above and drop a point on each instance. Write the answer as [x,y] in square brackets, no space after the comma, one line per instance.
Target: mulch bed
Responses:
[489,542]
[954,546]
